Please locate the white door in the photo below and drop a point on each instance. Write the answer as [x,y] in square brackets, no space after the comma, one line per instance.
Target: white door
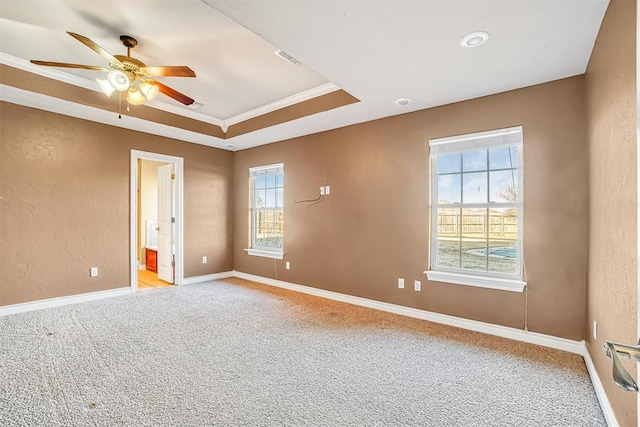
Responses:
[165,223]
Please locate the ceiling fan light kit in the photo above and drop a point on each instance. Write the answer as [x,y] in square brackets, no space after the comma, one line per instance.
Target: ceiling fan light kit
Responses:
[118,80]
[105,86]
[134,97]
[128,74]
[149,90]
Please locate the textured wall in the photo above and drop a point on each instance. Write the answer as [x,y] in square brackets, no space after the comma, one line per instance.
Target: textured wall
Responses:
[64,204]
[374,228]
[613,275]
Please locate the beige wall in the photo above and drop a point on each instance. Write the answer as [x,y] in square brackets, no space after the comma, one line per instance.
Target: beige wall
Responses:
[64,204]
[373,228]
[611,112]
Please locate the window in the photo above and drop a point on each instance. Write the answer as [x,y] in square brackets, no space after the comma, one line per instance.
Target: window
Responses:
[476,210]
[267,210]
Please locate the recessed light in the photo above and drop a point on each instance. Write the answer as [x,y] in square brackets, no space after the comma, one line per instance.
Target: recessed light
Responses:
[229,145]
[475,39]
[403,101]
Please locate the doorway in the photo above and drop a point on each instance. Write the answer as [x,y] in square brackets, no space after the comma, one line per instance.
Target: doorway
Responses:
[156,227]
[155,188]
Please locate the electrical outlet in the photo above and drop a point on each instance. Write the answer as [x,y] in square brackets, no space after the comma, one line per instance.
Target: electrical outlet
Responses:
[595,330]
[322,191]
[287,265]
[93,272]
[417,285]
[401,283]
[327,190]
[204,259]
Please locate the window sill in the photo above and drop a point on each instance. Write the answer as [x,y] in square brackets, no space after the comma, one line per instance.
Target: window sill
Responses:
[265,254]
[477,281]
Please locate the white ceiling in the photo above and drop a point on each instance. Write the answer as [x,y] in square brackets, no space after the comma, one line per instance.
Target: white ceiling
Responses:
[377,51]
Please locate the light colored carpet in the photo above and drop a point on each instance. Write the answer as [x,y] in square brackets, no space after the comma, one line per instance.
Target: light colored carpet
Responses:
[235,353]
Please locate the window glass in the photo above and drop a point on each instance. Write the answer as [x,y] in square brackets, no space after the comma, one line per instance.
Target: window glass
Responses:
[267,210]
[476,227]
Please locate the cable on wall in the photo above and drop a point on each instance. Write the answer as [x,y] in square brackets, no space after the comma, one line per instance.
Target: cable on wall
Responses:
[526,297]
[320,197]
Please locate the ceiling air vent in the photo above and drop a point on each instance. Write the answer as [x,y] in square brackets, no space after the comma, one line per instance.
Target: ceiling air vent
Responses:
[284,55]
[196,105]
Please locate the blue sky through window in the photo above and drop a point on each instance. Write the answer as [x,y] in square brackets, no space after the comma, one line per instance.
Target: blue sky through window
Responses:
[470,177]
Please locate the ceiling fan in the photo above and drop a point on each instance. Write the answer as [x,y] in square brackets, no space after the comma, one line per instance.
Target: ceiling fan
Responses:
[127,74]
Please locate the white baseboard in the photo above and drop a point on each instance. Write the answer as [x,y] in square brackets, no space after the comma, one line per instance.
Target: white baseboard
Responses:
[91,296]
[207,278]
[576,347]
[57,302]
[607,410]
[473,325]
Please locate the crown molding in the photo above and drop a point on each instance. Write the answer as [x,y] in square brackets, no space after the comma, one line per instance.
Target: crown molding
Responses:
[49,72]
[61,76]
[40,101]
[55,74]
[282,103]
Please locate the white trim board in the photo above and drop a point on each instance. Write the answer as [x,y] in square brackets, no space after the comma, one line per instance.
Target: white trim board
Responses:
[607,410]
[207,278]
[491,329]
[60,301]
[571,346]
[576,347]
[93,296]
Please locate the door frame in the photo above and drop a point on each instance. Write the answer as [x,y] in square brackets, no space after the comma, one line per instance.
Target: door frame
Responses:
[638,195]
[133,214]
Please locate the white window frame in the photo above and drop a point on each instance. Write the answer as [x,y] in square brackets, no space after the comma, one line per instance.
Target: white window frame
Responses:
[460,276]
[255,250]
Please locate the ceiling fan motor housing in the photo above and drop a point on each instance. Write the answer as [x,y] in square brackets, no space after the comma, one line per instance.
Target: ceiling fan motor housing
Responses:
[128,41]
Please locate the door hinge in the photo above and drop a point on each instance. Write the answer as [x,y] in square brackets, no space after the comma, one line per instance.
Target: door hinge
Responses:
[173,263]
[173,176]
[173,220]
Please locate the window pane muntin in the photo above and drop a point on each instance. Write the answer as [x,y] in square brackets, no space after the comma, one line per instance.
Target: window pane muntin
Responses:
[474,254]
[474,187]
[448,163]
[503,256]
[474,160]
[448,253]
[270,198]
[271,180]
[449,188]
[260,198]
[260,181]
[503,158]
[503,186]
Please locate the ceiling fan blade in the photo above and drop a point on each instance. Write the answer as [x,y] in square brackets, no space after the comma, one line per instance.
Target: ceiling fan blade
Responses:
[168,71]
[172,93]
[66,65]
[92,45]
